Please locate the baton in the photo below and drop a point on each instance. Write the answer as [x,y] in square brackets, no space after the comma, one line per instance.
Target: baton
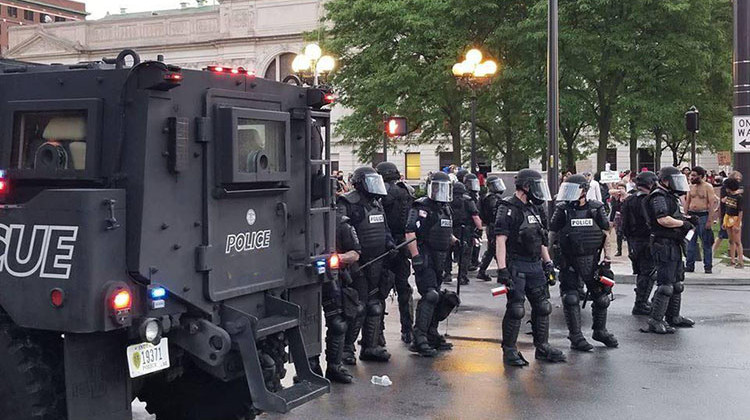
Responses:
[460,259]
[380,257]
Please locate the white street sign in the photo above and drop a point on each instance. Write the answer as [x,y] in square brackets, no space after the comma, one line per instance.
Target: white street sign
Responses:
[741,130]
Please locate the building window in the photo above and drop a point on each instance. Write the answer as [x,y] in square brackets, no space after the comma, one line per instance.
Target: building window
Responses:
[612,159]
[413,166]
[12,12]
[280,67]
[646,159]
[60,19]
[28,15]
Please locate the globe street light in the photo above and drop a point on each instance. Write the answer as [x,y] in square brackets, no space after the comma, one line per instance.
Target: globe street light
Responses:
[473,73]
[311,65]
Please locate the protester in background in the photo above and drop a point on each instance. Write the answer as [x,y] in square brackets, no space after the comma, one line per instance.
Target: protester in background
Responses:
[686,171]
[615,215]
[700,202]
[723,234]
[733,221]
[595,191]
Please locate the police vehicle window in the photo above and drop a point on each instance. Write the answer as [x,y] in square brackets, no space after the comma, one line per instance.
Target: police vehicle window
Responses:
[51,140]
[260,146]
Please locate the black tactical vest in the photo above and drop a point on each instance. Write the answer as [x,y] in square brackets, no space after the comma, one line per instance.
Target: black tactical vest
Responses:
[637,223]
[673,209]
[368,219]
[396,205]
[489,206]
[581,235]
[530,233]
[458,208]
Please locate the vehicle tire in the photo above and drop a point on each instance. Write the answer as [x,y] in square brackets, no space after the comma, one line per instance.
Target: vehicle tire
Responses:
[197,395]
[31,367]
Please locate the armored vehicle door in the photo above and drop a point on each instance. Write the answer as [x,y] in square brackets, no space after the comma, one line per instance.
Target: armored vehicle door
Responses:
[247,210]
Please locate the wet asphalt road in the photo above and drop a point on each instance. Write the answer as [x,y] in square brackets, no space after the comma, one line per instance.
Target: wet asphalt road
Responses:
[698,373]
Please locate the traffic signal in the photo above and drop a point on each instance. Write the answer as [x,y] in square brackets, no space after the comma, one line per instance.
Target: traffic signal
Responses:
[692,120]
[396,126]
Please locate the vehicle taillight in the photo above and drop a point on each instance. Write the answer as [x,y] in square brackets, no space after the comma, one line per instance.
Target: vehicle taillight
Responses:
[329,98]
[333,262]
[57,297]
[173,77]
[4,185]
[120,302]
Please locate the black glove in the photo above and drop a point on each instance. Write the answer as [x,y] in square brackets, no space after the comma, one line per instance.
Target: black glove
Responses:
[417,262]
[693,219]
[477,233]
[687,226]
[549,272]
[605,270]
[503,277]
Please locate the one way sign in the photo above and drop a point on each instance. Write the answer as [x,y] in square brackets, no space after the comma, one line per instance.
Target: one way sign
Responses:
[742,134]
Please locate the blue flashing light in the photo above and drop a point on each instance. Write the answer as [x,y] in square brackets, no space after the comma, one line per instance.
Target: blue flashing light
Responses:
[320,263]
[158,293]
[2,173]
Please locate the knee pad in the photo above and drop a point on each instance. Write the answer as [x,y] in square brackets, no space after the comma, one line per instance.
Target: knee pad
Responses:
[432,297]
[336,325]
[665,289]
[542,307]
[374,308]
[571,298]
[515,310]
[678,287]
[600,301]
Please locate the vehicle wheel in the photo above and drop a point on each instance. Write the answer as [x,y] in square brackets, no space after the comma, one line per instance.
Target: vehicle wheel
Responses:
[197,396]
[31,368]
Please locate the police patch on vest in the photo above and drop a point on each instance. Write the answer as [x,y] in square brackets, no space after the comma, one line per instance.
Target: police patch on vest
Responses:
[533,219]
[581,222]
[377,218]
[446,223]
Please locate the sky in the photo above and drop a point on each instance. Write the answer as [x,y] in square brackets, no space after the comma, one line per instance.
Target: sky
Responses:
[99,8]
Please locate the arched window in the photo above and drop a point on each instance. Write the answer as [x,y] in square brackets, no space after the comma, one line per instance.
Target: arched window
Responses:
[280,67]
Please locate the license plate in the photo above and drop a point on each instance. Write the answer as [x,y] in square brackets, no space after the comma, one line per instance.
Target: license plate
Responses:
[145,358]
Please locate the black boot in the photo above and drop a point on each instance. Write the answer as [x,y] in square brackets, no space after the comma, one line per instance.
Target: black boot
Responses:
[600,328]
[436,340]
[406,315]
[573,320]
[423,319]
[673,316]
[463,281]
[643,287]
[371,348]
[511,328]
[335,371]
[486,260]
[540,331]
[656,322]
[352,332]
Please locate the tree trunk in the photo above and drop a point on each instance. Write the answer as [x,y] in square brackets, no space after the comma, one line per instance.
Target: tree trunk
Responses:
[604,124]
[675,158]
[570,156]
[657,150]
[633,146]
[510,163]
[456,141]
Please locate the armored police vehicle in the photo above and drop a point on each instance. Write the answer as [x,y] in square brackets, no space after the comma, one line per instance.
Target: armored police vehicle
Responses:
[164,235]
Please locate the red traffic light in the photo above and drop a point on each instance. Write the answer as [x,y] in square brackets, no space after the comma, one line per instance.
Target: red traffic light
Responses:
[396,126]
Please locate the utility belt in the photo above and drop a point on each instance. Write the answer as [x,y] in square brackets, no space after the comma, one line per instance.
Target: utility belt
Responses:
[698,213]
[523,258]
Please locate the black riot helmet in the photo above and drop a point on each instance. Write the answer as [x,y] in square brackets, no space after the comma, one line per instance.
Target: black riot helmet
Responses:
[573,188]
[388,171]
[440,188]
[459,188]
[461,174]
[471,182]
[366,180]
[495,184]
[675,181]
[646,180]
[533,185]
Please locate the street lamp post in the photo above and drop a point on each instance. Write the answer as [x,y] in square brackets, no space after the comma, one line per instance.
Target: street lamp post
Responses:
[742,98]
[311,66]
[553,99]
[474,73]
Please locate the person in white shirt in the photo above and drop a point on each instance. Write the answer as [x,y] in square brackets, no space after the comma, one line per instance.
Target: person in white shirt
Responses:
[595,191]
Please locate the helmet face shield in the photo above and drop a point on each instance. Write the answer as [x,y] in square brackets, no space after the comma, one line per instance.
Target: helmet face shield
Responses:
[569,192]
[496,185]
[440,191]
[539,191]
[472,185]
[678,183]
[374,184]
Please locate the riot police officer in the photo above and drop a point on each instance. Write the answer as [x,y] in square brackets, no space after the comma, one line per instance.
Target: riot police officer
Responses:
[635,225]
[362,206]
[465,223]
[473,188]
[669,226]
[524,265]
[341,303]
[430,222]
[396,205]
[488,213]
[580,227]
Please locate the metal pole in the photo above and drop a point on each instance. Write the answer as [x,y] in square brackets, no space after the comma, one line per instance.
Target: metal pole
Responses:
[693,162]
[553,100]
[742,100]
[385,146]
[474,133]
